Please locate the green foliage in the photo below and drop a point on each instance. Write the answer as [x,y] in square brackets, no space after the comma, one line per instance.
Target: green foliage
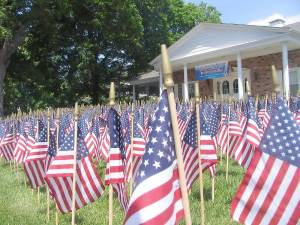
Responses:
[19,205]
[73,49]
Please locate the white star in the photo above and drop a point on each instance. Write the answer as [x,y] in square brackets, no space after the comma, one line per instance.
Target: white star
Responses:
[156,164]
[160,154]
[165,143]
[167,133]
[142,173]
[146,163]
[158,129]
[153,140]
[161,119]
[165,109]
[150,151]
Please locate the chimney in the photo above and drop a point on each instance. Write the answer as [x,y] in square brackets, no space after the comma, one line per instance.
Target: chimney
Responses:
[277,23]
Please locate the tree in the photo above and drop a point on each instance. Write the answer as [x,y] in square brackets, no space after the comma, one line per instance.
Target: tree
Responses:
[56,52]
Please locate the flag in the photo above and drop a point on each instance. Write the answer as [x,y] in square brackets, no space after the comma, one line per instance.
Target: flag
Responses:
[253,130]
[34,165]
[182,121]
[156,198]
[270,190]
[20,149]
[59,176]
[139,141]
[114,167]
[7,144]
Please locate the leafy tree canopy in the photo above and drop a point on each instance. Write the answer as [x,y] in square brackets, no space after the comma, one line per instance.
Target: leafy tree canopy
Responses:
[68,50]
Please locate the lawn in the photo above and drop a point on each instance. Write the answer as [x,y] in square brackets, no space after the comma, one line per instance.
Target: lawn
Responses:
[19,205]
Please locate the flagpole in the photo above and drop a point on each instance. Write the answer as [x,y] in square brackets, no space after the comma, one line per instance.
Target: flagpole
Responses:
[222,103]
[213,188]
[227,152]
[169,83]
[131,150]
[110,190]
[48,140]
[75,162]
[38,188]
[57,150]
[197,98]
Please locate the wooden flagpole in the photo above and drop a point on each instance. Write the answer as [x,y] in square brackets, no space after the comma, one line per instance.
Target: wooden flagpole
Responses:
[57,150]
[75,162]
[213,188]
[228,144]
[48,140]
[37,136]
[169,83]
[131,149]
[110,190]
[197,98]
[222,103]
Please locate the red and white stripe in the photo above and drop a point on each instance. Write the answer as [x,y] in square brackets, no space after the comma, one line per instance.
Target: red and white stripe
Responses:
[297,117]
[191,158]
[59,178]
[253,133]
[121,191]
[20,151]
[157,200]
[269,193]
[34,165]
[104,145]
[114,168]
[243,152]
[7,147]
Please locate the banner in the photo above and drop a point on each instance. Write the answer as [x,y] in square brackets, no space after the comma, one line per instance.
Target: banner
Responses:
[211,71]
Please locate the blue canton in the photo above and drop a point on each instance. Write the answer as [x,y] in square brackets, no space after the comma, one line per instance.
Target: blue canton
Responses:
[282,136]
[160,149]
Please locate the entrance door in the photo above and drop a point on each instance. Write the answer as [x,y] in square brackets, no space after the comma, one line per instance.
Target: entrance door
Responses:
[228,86]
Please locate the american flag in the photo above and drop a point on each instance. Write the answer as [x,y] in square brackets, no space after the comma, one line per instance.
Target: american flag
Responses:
[59,176]
[156,198]
[270,190]
[234,125]
[7,144]
[253,129]
[51,149]
[182,121]
[139,141]
[34,165]
[115,167]
[20,150]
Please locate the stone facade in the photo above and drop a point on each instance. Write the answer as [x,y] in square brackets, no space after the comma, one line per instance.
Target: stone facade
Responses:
[260,72]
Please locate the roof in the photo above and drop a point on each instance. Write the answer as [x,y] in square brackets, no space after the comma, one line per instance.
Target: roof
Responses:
[152,76]
[209,41]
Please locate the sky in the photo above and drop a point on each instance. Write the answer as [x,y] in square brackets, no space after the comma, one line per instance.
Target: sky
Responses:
[256,12]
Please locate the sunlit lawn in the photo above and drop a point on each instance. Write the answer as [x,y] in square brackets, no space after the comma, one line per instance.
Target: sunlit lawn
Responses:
[19,206]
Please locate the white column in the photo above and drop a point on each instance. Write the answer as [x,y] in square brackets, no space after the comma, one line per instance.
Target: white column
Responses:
[133,93]
[285,70]
[161,86]
[185,81]
[240,76]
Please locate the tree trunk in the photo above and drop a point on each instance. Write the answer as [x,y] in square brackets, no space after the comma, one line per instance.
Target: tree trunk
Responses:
[2,75]
[8,49]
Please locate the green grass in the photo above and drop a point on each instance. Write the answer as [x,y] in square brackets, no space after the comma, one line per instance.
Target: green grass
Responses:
[18,205]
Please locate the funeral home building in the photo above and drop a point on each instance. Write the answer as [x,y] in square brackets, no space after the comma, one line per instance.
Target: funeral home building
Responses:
[223,57]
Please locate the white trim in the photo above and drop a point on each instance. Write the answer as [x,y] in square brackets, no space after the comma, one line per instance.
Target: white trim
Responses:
[185,81]
[285,66]
[240,76]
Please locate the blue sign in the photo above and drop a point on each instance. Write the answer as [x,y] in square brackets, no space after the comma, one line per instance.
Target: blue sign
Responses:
[211,71]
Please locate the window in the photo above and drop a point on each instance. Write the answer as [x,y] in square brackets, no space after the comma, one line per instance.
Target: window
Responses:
[225,87]
[246,89]
[235,86]
[294,81]
[191,90]
[218,88]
